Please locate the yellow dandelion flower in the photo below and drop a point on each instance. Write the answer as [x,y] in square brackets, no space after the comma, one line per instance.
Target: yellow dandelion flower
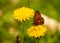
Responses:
[23,13]
[36,31]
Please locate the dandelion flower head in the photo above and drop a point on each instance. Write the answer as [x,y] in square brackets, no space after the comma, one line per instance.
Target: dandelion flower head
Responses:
[36,31]
[23,13]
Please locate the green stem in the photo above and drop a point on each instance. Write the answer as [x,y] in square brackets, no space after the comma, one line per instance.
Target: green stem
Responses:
[37,40]
[23,32]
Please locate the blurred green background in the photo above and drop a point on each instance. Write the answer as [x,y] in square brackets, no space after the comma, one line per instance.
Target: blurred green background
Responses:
[9,27]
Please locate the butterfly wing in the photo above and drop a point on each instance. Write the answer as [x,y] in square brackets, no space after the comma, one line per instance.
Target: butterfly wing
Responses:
[41,21]
[38,20]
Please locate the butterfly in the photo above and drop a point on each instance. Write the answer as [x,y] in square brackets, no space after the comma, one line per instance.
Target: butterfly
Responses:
[38,20]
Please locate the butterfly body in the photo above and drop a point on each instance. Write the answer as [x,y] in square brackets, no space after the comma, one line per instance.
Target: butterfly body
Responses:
[38,20]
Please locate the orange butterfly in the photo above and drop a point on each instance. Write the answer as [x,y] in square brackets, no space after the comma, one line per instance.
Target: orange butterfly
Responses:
[38,20]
